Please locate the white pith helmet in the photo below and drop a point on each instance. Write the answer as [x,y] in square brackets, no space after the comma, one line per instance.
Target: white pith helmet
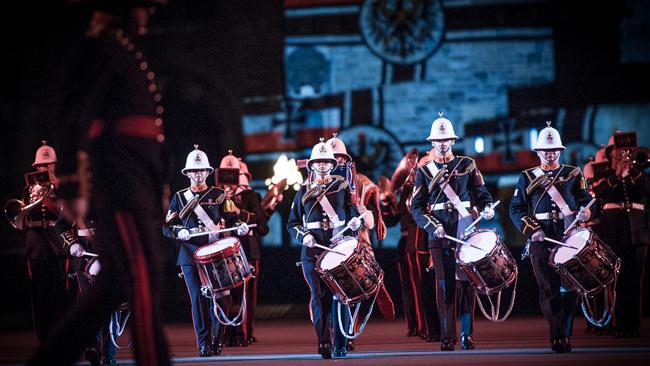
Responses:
[442,129]
[197,160]
[338,147]
[321,151]
[45,155]
[549,139]
[229,161]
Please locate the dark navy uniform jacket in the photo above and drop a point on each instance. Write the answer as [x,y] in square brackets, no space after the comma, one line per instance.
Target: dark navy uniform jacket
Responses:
[306,209]
[629,223]
[40,237]
[210,199]
[530,199]
[464,178]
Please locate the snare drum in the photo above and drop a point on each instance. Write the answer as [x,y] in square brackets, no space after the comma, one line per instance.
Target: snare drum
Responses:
[353,276]
[588,265]
[222,264]
[488,264]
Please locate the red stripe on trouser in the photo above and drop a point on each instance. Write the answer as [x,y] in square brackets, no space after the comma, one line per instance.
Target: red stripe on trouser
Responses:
[141,299]
[415,292]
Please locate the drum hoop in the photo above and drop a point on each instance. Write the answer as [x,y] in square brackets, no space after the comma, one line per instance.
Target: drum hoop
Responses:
[228,251]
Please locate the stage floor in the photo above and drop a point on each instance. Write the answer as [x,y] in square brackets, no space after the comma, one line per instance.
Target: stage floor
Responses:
[516,341]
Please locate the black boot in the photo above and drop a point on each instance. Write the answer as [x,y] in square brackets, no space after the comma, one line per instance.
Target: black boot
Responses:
[325,350]
[447,345]
[466,341]
[559,345]
[217,347]
[205,351]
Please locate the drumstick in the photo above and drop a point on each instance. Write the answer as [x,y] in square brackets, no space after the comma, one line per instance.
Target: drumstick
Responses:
[495,204]
[576,219]
[348,226]
[328,249]
[218,231]
[464,243]
[559,243]
[89,254]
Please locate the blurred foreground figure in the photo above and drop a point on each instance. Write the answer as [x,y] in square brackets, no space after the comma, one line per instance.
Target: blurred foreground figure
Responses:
[121,126]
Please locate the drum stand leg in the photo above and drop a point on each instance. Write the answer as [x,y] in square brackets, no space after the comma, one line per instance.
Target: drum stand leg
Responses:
[221,315]
[496,310]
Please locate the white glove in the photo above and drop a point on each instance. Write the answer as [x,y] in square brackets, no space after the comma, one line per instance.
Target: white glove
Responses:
[183,235]
[308,241]
[355,223]
[76,250]
[538,236]
[242,229]
[584,214]
[488,212]
[440,232]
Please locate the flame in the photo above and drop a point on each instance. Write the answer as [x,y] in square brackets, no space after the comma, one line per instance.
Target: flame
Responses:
[287,169]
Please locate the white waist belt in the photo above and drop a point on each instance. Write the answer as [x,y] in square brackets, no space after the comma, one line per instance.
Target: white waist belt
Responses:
[549,216]
[446,205]
[85,232]
[319,225]
[614,206]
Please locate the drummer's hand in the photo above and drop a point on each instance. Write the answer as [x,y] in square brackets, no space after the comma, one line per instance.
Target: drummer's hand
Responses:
[538,236]
[440,232]
[488,212]
[183,235]
[584,214]
[355,223]
[308,241]
[76,250]
[242,229]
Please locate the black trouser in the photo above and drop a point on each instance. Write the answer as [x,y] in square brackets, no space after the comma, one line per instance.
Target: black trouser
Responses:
[206,326]
[323,309]
[629,287]
[466,298]
[557,305]
[410,285]
[427,295]
[444,264]
[127,192]
[47,285]
[251,300]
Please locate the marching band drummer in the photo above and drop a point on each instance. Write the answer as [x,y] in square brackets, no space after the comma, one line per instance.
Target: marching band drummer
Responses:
[242,206]
[191,211]
[321,208]
[546,199]
[446,186]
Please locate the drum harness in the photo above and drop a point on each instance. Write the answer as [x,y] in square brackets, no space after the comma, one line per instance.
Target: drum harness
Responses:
[221,315]
[436,175]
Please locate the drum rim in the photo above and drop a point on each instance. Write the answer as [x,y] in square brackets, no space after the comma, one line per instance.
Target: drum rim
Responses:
[499,242]
[226,252]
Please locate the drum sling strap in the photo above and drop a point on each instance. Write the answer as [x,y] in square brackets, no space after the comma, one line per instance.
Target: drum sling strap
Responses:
[200,212]
[465,216]
[556,196]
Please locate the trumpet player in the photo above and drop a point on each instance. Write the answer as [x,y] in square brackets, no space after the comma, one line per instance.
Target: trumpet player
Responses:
[44,254]
[240,208]
[621,192]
